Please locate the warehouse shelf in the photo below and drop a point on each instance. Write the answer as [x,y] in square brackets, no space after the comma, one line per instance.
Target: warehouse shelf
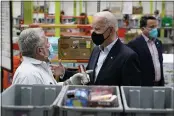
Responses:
[63,17]
[35,12]
[140,28]
[75,26]
[16,47]
[57,26]
[81,34]
[53,16]
[70,61]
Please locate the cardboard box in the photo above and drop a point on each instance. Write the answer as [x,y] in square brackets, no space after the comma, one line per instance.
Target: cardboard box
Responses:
[137,10]
[73,48]
[130,36]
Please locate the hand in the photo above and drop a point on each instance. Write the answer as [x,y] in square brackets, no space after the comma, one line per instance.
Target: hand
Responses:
[58,70]
[80,78]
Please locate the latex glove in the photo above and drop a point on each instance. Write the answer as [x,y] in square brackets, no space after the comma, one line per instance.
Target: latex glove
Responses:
[58,70]
[79,78]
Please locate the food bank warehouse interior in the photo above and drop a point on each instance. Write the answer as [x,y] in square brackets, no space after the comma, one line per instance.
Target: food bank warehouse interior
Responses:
[87,58]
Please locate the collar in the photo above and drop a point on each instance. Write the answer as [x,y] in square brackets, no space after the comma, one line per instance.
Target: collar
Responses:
[108,48]
[32,60]
[146,38]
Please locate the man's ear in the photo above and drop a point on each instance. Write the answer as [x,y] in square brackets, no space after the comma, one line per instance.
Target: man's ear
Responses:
[142,28]
[39,51]
[112,29]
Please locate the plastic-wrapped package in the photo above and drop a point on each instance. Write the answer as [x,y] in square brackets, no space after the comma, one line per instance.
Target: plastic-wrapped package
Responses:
[95,97]
[77,97]
[110,102]
[102,97]
[74,102]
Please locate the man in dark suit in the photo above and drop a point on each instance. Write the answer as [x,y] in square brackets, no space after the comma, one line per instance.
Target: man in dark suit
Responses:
[149,50]
[112,62]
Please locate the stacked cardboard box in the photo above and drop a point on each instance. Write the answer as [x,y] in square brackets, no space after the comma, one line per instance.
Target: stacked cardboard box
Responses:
[130,36]
[137,9]
[74,48]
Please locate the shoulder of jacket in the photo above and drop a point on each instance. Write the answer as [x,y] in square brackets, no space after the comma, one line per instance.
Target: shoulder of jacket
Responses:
[27,69]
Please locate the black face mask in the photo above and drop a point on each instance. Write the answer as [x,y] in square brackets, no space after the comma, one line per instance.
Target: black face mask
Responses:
[98,39]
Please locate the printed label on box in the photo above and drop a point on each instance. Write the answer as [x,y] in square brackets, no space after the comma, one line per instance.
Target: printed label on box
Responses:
[88,44]
[76,42]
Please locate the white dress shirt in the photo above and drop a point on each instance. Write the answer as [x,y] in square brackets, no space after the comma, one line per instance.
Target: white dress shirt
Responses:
[155,58]
[32,71]
[103,54]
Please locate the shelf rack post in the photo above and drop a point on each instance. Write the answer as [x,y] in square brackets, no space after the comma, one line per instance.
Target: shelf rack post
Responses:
[28,12]
[57,18]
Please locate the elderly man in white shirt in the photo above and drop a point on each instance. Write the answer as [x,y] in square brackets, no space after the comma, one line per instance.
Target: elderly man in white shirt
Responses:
[35,68]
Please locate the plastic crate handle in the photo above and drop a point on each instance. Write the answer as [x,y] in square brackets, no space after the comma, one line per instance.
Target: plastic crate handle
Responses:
[88,114]
[45,113]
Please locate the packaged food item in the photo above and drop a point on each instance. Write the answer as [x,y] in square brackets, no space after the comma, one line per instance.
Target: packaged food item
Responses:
[69,102]
[95,97]
[100,97]
[70,94]
[111,102]
[82,69]
[82,94]
[77,98]
[100,91]
[73,102]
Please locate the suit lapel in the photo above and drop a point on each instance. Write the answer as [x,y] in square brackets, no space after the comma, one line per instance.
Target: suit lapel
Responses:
[147,54]
[110,57]
[94,62]
[144,46]
[95,58]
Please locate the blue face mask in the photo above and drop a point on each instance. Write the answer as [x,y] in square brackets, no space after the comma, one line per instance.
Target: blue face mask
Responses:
[153,33]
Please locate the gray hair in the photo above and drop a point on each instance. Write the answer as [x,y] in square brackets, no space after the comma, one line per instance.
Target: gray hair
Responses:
[109,18]
[29,40]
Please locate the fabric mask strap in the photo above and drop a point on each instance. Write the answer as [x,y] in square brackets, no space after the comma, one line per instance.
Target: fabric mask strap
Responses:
[109,33]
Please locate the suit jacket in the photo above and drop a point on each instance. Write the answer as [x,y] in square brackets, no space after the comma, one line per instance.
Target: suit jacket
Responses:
[139,45]
[121,67]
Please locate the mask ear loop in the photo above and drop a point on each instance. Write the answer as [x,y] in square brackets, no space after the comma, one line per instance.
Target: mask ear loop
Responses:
[108,35]
[105,30]
[117,33]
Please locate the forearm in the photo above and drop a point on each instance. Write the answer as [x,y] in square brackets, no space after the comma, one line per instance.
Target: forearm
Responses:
[67,82]
[67,75]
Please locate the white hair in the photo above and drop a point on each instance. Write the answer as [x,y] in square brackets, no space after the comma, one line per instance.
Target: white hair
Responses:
[29,40]
[109,18]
